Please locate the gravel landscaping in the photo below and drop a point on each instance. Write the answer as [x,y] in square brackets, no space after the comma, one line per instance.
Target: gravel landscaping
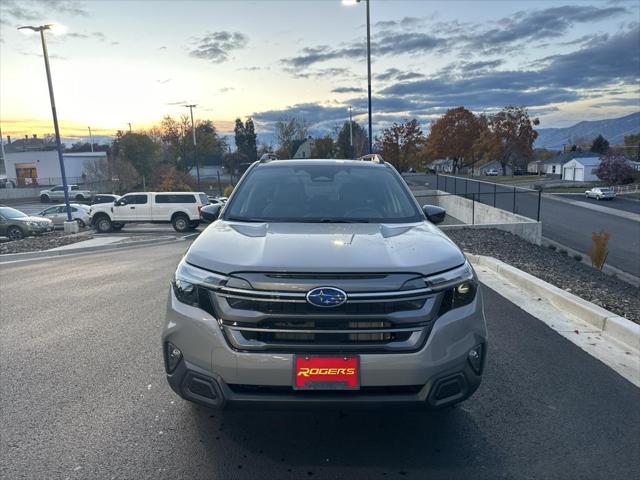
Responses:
[553,267]
[44,242]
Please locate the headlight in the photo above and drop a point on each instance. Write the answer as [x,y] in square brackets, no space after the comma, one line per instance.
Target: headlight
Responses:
[188,279]
[460,286]
[33,224]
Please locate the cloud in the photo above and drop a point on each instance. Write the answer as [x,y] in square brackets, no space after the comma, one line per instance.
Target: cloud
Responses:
[395,74]
[216,46]
[39,10]
[226,89]
[347,90]
[333,72]
[163,81]
[162,47]
[101,37]
[504,35]
[600,68]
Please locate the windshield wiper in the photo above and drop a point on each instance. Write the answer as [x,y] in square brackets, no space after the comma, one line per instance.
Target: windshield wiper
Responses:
[340,220]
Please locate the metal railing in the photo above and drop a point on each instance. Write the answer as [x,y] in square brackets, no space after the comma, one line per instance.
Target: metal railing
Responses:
[518,200]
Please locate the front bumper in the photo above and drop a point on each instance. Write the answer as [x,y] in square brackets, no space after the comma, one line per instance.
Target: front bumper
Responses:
[212,373]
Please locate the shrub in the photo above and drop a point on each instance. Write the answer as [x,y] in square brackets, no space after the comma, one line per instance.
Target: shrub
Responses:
[170,179]
[599,252]
[552,247]
[577,257]
[563,252]
[228,191]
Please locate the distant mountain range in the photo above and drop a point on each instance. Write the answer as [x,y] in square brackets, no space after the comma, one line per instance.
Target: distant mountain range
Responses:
[613,129]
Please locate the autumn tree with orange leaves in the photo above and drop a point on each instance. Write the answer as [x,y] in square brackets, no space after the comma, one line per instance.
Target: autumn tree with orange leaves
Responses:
[509,137]
[402,145]
[456,136]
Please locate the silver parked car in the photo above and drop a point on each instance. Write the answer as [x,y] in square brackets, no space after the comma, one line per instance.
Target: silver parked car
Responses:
[601,193]
[58,214]
[323,282]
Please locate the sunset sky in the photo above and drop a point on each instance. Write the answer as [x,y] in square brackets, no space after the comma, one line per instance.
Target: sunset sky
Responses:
[130,61]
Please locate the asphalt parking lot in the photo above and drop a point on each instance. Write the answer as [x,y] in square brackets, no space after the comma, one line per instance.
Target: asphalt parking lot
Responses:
[83,395]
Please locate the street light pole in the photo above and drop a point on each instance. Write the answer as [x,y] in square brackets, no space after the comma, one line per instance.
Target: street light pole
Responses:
[350,134]
[369,77]
[353,2]
[195,148]
[91,138]
[129,126]
[56,129]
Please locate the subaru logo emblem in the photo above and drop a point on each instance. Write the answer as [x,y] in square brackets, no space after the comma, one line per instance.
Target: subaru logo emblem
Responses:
[326,297]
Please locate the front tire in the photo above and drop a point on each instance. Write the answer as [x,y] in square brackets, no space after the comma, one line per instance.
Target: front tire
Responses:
[15,233]
[103,224]
[80,197]
[44,198]
[80,223]
[180,223]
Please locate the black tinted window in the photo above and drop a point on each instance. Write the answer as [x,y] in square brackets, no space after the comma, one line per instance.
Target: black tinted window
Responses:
[175,198]
[138,199]
[323,193]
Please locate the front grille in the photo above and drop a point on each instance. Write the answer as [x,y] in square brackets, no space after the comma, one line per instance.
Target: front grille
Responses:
[299,308]
[277,317]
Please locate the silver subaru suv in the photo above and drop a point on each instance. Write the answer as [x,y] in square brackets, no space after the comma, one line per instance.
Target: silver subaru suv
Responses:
[323,282]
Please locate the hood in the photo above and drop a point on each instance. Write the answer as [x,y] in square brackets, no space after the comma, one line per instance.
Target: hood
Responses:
[228,247]
[33,218]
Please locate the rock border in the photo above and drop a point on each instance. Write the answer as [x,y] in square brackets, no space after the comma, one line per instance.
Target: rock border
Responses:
[619,328]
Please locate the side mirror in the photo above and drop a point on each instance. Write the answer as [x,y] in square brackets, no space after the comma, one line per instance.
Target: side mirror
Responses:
[210,213]
[434,214]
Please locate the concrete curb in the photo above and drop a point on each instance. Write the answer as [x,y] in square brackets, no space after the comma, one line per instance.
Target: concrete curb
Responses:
[17,257]
[634,217]
[615,326]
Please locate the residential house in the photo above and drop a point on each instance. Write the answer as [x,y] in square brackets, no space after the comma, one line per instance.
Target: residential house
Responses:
[581,169]
[553,165]
[302,148]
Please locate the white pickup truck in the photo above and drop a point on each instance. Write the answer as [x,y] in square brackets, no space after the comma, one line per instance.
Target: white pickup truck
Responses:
[181,209]
[56,194]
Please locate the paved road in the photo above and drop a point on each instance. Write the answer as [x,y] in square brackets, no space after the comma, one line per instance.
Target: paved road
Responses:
[620,202]
[83,395]
[568,224]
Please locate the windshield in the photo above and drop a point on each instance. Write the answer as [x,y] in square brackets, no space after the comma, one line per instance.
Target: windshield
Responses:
[8,212]
[322,193]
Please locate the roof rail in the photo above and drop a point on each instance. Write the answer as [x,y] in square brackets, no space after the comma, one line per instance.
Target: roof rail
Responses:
[372,157]
[267,157]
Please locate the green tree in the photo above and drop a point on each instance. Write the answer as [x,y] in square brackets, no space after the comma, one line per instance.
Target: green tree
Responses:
[240,136]
[343,141]
[632,146]
[402,145]
[323,147]
[137,149]
[177,142]
[600,145]
[251,138]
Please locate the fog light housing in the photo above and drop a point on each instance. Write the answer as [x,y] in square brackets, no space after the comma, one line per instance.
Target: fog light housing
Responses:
[172,355]
[474,357]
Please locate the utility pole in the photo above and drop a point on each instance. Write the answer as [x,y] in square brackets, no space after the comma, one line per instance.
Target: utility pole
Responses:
[129,126]
[350,134]
[195,148]
[69,226]
[91,138]
[3,168]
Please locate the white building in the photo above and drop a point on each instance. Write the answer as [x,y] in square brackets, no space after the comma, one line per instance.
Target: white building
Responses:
[581,169]
[43,168]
